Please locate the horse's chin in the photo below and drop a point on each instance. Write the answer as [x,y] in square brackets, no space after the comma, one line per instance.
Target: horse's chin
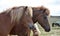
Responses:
[47,30]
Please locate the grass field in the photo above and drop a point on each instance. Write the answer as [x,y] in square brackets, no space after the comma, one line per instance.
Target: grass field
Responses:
[55,31]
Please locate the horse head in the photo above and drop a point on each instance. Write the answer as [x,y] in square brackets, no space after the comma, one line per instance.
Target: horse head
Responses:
[40,15]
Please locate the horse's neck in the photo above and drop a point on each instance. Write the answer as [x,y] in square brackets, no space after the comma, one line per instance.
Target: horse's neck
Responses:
[34,18]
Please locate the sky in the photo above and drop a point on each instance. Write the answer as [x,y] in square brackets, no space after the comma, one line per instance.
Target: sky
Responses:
[52,5]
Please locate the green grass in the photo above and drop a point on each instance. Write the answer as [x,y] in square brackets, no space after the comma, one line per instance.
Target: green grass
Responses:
[55,31]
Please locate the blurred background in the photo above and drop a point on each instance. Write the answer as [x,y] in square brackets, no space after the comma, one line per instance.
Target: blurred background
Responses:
[52,5]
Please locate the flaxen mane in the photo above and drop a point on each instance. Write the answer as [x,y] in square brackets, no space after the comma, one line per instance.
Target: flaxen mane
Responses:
[30,11]
[17,12]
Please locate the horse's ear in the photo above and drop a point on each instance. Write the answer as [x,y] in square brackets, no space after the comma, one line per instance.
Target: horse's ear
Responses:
[29,11]
[44,10]
[25,8]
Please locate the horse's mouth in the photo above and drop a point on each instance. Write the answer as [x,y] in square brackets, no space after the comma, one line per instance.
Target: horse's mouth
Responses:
[47,30]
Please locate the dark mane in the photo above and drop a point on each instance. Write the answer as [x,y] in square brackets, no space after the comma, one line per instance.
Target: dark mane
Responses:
[46,10]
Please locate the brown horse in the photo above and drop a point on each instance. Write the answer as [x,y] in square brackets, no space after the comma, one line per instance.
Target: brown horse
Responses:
[19,17]
[40,15]
[18,30]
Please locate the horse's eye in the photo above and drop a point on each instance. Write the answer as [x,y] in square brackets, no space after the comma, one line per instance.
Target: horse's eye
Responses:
[45,17]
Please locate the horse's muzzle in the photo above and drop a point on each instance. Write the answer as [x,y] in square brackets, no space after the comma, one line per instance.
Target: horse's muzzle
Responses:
[31,26]
[47,29]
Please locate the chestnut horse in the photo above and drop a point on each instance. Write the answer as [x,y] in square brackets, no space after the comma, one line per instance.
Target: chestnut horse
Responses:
[19,17]
[40,15]
[18,30]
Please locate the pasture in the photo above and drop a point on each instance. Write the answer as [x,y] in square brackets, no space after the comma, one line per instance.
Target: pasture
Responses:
[55,31]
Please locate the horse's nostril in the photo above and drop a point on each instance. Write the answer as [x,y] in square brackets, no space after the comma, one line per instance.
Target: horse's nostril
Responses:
[31,26]
[47,30]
